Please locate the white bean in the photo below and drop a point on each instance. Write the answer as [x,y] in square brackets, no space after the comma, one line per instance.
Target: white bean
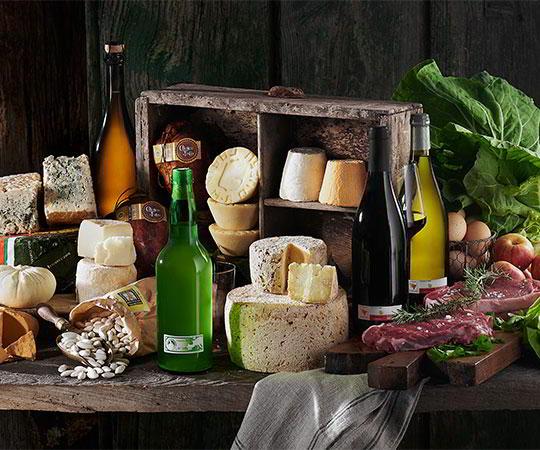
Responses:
[81,376]
[120,369]
[106,369]
[67,373]
[92,374]
[108,375]
[63,368]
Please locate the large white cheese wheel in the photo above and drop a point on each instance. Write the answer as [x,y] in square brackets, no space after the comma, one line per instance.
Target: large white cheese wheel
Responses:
[269,259]
[343,183]
[94,280]
[233,176]
[93,232]
[272,333]
[303,174]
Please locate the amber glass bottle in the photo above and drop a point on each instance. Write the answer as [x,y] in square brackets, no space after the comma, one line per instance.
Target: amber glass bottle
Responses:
[114,157]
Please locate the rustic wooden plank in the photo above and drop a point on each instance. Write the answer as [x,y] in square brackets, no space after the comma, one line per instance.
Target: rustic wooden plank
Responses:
[42,83]
[280,203]
[350,48]
[218,42]
[401,370]
[350,357]
[497,36]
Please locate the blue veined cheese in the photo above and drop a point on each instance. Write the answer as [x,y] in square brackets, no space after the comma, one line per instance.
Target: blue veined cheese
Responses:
[269,259]
[312,283]
[19,199]
[272,333]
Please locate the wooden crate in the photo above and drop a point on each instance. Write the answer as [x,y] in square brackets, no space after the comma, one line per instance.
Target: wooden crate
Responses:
[271,126]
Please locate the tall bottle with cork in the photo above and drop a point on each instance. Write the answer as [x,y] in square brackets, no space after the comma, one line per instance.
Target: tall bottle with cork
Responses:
[429,254]
[184,287]
[113,160]
[379,243]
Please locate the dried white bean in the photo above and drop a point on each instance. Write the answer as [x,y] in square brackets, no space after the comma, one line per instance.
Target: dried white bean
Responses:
[63,368]
[82,375]
[106,369]
[108,375]
[66,373]
[79,368]
[74,374]
[113,365]
[120,369]
[70,335]
[92,374]
[85,344]
[98,370]
[84,353]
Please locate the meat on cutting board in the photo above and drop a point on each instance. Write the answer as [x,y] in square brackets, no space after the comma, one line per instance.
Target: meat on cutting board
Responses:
[462,327]
[504,295]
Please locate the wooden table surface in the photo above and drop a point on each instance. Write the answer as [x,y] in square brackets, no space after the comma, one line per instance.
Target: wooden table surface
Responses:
[143,387]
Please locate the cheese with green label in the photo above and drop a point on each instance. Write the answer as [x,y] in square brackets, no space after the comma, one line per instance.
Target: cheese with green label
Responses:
[269,259]
[312,283]
[272,333]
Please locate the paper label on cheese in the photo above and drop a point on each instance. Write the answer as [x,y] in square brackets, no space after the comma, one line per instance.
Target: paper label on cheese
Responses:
[132,297]
[182,345]
[150,211]
[186,150]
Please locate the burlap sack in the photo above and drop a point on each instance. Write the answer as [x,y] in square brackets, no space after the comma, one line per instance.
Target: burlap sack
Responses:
[135,302]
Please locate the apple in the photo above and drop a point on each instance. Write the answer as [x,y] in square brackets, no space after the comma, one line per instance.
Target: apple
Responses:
[535,268]
[515,249]
[510,269]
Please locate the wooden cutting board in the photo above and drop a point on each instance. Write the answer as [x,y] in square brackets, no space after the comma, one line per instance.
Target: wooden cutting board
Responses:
[404,369]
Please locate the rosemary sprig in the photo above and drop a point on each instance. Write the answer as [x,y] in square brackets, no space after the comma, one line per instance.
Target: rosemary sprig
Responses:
[475,282]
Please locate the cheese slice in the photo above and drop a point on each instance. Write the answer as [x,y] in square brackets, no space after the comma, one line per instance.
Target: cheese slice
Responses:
[303,174]
[115,251]
[94,280]
[93,232]
[343,183]
[24,347]
[4,356]
[272,333]
[312,283]
[233,176]
[269,259]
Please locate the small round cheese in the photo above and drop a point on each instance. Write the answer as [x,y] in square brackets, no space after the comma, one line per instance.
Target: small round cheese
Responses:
[303,174]
[233,243]
[343,183]
[272,333]
[93,280]
[235,217]
[233,177]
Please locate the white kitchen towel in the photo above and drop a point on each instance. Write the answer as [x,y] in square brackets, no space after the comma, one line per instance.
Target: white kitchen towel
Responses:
[316,410]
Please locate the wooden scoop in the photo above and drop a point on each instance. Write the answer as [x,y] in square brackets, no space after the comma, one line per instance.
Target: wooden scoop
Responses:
[48,314]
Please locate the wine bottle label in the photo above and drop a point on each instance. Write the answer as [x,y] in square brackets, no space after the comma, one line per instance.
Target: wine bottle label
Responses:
[377,313]
[425,286]
[183,345]
[186,150]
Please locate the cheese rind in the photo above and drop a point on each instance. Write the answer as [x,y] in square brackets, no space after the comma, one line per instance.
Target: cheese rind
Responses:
[343,183]
[234,217]
[93,232]
[94,280]
[269,259]
[19,200]
[233,176]
[233,243]
[115,251]
[272,333]
[312,283]
[303,174]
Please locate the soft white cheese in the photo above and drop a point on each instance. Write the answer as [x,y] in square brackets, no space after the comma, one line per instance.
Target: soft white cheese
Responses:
[312,283]
[272,333]
[94,280]
[303,174]
[93,232]
[115,251]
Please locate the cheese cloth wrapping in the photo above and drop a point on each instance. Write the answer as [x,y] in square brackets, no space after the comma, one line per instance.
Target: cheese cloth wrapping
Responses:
[316,410]
[142,324]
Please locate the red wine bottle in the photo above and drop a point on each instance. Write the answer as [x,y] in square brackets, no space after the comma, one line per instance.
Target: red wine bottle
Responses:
[379,242]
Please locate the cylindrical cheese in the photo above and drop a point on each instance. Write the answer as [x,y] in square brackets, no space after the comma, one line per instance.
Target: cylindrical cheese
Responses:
[272,333]
[93,280]
[303,174]
[343,183]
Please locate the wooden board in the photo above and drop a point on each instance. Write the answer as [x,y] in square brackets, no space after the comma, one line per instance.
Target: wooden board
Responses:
[350,357]
[401,370]
[63,303]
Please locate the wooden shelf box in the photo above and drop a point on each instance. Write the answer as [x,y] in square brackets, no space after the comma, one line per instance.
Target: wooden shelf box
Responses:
[272,126]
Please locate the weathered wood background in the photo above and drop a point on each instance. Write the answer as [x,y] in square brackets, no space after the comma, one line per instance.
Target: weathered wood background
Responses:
[51,102]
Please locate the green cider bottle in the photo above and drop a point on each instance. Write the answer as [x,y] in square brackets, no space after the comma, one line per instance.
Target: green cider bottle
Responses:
[184,287]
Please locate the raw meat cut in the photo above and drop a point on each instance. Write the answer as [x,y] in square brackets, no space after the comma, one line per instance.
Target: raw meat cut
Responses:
[461,327]
[504,295]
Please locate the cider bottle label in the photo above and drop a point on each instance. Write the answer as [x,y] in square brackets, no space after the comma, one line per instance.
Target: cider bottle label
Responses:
[182,345]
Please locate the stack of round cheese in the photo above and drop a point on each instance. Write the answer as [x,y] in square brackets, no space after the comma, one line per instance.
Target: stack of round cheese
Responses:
[267,331]
[108,253]
[232,179]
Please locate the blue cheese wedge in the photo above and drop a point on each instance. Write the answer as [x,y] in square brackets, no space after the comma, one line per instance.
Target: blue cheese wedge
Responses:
[19,203]
[269,259]
[272,333]
[312,283]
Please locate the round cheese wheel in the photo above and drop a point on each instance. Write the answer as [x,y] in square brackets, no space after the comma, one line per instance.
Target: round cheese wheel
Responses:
[233,177]
[272,333]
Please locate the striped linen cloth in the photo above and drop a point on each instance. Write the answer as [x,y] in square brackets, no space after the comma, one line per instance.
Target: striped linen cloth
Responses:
[316,410]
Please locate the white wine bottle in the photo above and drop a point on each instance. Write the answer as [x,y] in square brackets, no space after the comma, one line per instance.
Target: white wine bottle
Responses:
[429,247]
[114,157]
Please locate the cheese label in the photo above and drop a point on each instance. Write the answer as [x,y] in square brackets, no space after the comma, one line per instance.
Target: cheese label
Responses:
[183,345]
[186,150]
[425,286]
[377,313]
[150,211]
[132,297]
